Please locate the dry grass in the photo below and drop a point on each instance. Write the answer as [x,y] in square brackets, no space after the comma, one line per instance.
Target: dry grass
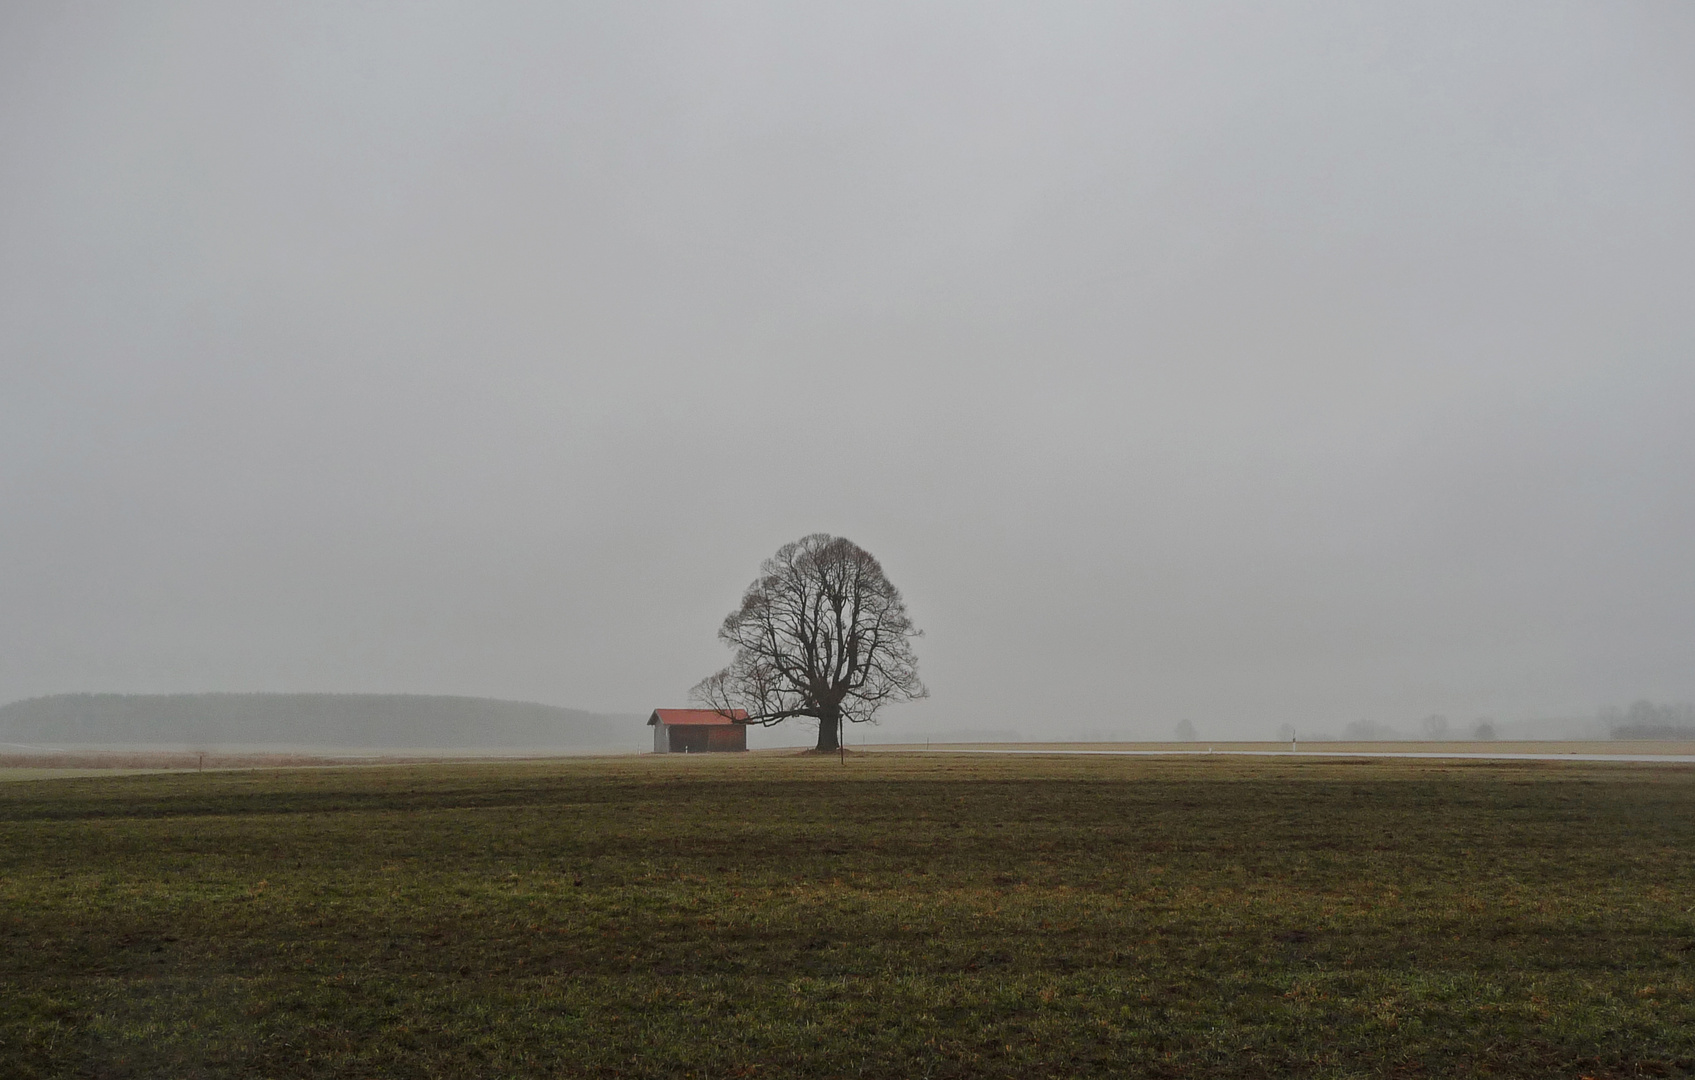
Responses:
[1623,747]
[45,763]
[899,916]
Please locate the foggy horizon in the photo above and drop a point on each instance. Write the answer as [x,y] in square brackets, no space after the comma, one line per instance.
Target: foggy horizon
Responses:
[1244,367]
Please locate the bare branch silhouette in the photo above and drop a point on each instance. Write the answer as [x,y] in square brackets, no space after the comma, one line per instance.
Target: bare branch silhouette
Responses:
[820,633]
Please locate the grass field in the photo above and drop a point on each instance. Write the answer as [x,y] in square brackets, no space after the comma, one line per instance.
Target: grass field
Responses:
[900,916]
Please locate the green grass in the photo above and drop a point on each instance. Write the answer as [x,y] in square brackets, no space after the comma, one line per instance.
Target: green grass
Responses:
[899,917]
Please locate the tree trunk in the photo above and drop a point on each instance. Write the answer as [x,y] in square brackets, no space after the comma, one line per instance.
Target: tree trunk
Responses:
[828,727]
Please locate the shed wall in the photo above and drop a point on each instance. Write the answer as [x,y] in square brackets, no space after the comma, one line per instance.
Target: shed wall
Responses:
[720,739]
[699,738]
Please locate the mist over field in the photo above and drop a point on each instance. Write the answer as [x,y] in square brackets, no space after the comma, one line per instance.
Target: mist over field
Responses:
[1316,365]
[363,721]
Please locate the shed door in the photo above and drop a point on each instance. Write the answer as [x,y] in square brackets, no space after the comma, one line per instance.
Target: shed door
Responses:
[688,739]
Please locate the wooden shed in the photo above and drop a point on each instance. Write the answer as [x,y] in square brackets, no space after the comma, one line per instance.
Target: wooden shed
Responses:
[697,731]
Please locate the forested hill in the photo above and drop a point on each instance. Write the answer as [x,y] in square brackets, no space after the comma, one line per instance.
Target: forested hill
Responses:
[350,720]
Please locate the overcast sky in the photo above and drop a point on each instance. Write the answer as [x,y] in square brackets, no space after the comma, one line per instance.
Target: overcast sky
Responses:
[1244,363]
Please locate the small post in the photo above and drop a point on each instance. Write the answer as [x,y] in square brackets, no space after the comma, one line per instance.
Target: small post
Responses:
[202,767]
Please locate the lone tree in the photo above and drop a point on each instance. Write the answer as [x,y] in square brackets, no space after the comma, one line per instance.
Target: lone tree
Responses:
[820,633]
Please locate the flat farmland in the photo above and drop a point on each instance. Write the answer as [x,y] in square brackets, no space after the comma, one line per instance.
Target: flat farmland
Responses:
[902,915]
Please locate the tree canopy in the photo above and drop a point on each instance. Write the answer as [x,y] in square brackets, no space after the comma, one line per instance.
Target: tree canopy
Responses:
[820,633]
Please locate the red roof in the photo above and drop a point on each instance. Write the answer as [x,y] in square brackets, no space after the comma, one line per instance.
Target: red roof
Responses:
[695,716]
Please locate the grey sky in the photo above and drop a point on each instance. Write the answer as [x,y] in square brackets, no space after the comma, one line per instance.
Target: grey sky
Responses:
[1246,363]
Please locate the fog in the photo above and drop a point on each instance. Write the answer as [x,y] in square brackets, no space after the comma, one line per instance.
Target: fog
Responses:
[1313,364]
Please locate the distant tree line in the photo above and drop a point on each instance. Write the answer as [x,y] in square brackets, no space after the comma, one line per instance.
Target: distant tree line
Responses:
[1647,720]
[1432,728]
[1435,727]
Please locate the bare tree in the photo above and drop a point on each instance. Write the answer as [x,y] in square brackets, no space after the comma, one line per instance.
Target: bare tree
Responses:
[820,633]
[1435,727]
